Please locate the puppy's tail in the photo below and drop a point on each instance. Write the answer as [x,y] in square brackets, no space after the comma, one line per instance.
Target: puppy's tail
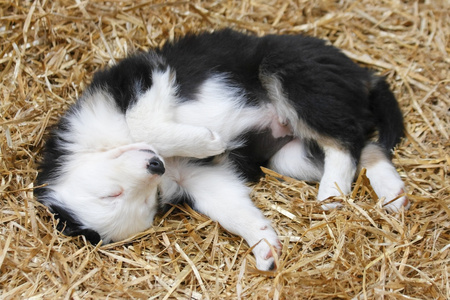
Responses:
[389,118]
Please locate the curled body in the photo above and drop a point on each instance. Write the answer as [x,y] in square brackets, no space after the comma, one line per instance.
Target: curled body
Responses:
[195,120]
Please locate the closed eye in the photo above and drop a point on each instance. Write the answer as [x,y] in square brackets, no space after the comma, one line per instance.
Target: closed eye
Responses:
[114,195]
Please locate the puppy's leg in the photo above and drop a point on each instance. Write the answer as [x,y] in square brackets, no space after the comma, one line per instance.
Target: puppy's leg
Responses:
[308,110]
[151,120]
[174,139]
[339,171]
[384,178]
[219,193]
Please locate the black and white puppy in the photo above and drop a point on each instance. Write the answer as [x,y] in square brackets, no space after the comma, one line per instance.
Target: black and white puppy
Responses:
[195,120]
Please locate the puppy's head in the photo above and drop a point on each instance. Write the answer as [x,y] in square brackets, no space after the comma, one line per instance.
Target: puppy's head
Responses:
[95,179]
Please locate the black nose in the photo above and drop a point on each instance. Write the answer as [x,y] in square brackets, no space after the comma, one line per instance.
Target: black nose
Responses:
[156,166]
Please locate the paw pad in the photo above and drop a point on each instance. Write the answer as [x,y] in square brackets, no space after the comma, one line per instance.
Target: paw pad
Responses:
[277,247]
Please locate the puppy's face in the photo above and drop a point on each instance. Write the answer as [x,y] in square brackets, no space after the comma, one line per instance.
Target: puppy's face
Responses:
[111,193]
[108,195]
[99,182]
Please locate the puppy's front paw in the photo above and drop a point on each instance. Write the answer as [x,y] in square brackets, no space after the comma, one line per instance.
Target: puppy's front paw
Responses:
[264,250]
[210,144]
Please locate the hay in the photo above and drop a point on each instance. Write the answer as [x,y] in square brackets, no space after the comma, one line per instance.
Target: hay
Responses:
[48,53]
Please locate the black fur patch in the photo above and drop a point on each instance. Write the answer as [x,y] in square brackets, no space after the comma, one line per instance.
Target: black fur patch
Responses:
[129,78]
[70,226]
[259,147]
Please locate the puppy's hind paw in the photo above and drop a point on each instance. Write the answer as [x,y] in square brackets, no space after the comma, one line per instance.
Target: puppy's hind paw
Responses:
[330,206]
[395,204]
[326,196]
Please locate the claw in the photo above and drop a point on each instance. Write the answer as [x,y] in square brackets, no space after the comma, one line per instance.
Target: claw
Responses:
[277,248]
[406,202]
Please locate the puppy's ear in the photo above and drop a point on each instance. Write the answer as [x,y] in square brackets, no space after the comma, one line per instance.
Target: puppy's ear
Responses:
[70,226]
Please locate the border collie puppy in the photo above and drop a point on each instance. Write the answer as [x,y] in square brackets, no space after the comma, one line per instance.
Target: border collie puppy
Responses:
[195,120]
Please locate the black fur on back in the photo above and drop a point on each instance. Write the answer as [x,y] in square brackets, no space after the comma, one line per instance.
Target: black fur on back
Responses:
[331,94]
[129,78]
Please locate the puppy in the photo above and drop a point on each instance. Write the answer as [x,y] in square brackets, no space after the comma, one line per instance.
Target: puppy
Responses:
[193,122]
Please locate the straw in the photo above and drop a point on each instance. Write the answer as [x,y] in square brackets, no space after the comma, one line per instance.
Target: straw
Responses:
[49,51]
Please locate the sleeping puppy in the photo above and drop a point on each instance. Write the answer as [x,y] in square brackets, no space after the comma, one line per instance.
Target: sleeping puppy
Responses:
[194,121]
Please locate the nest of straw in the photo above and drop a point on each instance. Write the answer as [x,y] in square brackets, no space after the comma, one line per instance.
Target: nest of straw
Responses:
[48,53]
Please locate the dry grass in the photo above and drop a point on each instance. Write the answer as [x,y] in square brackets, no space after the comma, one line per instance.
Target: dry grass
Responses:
[48,53]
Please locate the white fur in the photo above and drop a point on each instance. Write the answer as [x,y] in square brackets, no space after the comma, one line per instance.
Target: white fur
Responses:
[220,107]
[190,129]
[336,177]
[221,195]
[152,119]
[105,180]
[339,171]
[110,191]
[97,124]
[292,160]
[386,182]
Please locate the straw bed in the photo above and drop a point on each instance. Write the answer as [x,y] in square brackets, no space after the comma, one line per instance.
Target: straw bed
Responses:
[49,51]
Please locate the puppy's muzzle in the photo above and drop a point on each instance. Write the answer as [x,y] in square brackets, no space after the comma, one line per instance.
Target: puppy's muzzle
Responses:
[155,166]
